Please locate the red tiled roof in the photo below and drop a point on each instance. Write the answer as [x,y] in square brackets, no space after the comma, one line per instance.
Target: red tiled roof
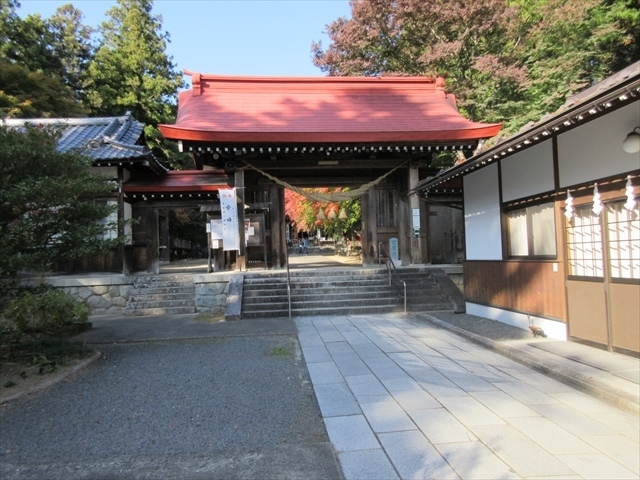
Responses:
[227,109]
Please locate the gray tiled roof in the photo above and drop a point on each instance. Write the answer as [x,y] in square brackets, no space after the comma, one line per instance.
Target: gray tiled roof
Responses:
[105,139]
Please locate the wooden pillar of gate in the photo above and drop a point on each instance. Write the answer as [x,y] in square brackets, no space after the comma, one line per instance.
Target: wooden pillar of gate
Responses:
[417,226]
[153,238]
[241,259]
[369,228]
[278,238]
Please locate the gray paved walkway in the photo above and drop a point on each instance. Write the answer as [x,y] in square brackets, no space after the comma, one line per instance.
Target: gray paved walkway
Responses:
[402,398]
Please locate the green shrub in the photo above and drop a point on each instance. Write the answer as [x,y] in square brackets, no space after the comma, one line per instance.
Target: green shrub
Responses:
[49,312]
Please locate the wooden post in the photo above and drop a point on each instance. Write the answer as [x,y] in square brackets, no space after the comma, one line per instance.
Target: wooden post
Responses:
[126,268]
[241,260]
[404,228]
[153,247]
[414,205]
[426,246]
[369,228]
[278,242]
[165,241]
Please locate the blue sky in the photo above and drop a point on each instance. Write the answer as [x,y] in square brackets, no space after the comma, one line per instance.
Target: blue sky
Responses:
[230,37]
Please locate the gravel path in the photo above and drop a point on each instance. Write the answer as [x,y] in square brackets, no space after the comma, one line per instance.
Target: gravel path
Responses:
[200,397]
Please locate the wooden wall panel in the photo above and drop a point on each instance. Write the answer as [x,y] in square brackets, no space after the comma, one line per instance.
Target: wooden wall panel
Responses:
[588,311]
[528,287]
[625,316]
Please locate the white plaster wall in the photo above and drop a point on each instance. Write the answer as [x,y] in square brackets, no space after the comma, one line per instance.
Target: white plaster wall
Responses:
[594,150]
[528,172]
[552,328]
[483,235]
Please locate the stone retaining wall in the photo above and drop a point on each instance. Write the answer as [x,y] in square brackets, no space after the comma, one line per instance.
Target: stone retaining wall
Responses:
[211,293]
[109,294]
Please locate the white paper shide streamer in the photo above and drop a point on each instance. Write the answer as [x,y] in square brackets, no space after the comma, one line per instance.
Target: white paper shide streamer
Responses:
[229,207]
[568,208]
[597,203]
[631,201]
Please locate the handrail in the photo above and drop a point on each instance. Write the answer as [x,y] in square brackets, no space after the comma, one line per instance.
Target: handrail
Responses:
[286,258]
[395,270]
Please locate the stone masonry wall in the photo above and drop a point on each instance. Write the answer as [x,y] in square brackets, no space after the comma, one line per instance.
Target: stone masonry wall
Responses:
[212,297]
[109,294]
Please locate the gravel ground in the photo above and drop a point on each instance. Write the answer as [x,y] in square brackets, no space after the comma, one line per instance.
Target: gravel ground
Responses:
[483,326]
[172,397]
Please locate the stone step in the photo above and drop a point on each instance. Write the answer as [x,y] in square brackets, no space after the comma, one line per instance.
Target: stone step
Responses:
[317,279]
[315,273]
[343,297]
[163,290]
[161,304]
[429,307]
[318,290]
[162,281]
[339,293]
[425,300]
[308,312]
[160,311]
[341,284]
[318,302]
[162,297]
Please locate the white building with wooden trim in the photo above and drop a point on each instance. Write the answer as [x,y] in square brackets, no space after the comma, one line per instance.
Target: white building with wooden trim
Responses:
[552,221]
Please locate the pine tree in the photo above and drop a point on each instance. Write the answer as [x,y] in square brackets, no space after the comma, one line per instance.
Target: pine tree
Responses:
[131,70]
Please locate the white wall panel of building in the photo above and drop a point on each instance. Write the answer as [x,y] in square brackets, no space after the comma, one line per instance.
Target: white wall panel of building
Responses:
[594,150]
[528,173]
[483,232]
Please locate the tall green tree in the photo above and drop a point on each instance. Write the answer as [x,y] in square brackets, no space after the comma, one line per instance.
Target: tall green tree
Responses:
[71,44]
[27,94]
[26,42]
[507,61]
[131,70]
[48,210]
[468,42]
[37,73]
[568,45]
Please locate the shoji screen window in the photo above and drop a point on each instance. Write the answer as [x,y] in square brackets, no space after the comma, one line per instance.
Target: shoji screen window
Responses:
[532,231]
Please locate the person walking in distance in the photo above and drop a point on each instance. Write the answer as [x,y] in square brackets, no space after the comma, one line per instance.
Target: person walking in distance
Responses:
[305,243]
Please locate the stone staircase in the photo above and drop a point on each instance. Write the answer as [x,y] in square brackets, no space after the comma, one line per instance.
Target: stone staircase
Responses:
[162,294]
[424,292]
[346,292]
[320,292]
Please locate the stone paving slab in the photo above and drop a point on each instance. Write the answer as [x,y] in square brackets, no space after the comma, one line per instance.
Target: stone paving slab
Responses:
[424,402]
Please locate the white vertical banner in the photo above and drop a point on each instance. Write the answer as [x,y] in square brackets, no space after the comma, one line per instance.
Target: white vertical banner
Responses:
[229,207]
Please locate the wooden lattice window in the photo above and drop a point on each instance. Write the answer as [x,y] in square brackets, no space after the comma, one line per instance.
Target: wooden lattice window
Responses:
[623,230]
[584,244]
[387,207]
